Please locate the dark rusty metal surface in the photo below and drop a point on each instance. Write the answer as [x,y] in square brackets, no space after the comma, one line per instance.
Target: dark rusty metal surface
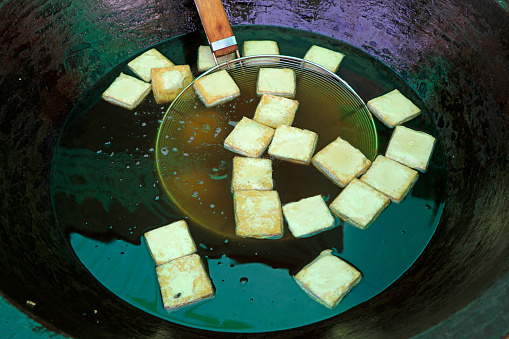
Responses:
[454,53]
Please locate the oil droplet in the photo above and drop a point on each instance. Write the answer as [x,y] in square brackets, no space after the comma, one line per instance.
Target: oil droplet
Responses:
[175,149]
[212,205]
[164,150]
[195,194]
[156,198]
[243,280]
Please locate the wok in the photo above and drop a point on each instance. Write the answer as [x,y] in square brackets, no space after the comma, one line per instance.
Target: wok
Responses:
[453,53]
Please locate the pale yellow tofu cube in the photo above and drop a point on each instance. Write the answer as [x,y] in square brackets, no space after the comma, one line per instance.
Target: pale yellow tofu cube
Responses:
[183,281]
[274,110]
[359,204]
[206,59]
[258,214]
[308,216]
[152,58]
[391,178]
[341,162]
[411,148]
[170,242]
[293,144]
[324,57]
[327,279]
[216,88]
[393,108]
[168,82]
[126,91]
[259,47]
[249,138]
[276,81]
[251,174]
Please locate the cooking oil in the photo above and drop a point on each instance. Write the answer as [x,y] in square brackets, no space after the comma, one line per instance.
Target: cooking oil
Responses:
[118,173]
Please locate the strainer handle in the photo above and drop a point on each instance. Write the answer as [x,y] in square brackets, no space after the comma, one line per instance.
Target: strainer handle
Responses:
[217,27]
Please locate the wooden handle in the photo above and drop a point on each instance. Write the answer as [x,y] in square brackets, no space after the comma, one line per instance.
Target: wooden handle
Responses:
[216,24]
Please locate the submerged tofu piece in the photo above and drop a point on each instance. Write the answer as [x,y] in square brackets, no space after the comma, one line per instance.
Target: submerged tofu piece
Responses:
[206,59]
[170,242]
[249,138]
[216,88]
[274,110]
[391,178]
[259,47]
[308,216]
[126,91]
[359,204]
[293,144]
[251,174]
[276,81]
[393,108]
[411,148]
[183,281]
[168,82]
[324,57]
[152,58]
[341,162]
[258,214]
[327,279]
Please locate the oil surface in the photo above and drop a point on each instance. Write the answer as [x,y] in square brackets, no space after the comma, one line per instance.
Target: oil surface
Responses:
[107,192]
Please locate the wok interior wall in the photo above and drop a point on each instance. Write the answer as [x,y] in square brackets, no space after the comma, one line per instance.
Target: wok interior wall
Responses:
[454,53]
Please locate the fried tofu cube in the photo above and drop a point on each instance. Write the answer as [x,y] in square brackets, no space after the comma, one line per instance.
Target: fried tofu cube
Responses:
[183,281]
[359,204]
[341,162]
[251,174]
[206,59]
[126,91]
[308,216]
[259,47]
[293,144]
[168,82]
[170,242]
[258,214]
[324,57]
[249,138]
[391,178]
[276,81]
[152,58]
[327,279]
[274,110]
[216,88]
[411,148]
[393,108]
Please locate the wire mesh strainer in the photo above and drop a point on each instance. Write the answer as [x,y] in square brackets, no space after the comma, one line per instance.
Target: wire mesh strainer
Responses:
[193,165]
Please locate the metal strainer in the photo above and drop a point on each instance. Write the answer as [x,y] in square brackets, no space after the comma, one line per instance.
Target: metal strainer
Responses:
[192,163]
